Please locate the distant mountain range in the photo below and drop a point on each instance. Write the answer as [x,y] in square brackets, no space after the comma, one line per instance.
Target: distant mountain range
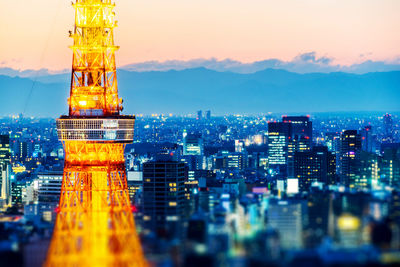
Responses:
[185,91]
[303,63]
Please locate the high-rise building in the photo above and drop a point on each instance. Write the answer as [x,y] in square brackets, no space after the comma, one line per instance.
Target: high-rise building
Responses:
[332,176]
[300,138]
[23,150]
[230,160]
[192,144]
[367,141]
[208,114]
[199,115]
[288,217]
[349,158]
[301,127]
[16,192]
[94,225]
[49,186]
[388,128]
[320,217]
[164,196]
[279,134]
[5,167]
[369,170]
[332,141]
[389,168]
[311,166]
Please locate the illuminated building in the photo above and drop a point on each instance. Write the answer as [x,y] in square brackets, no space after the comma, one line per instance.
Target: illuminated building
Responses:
[135,185]
[208,114]
[317,165]
[388,129]
[49,186]
[389,168]
[369,170]
[301,126]
[164,196]
[227,160]
[278,139]
[349,158]
[332,141]
[199,115]
[5,165]
[367,139]
[94,225]
[300,138]
[16,192]
[288,217]
[239,146]
[24,150]
[192,144]
[349,230]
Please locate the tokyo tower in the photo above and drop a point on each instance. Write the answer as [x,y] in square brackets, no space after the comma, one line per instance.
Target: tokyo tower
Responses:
[94,225]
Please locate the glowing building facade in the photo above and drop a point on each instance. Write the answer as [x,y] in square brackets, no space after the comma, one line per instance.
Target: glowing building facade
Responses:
[94,225]
[5,166]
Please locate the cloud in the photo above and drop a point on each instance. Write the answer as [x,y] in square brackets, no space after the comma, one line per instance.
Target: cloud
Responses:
[308,62]
[311,57]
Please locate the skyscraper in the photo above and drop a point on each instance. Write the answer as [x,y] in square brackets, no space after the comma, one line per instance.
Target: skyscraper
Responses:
[199,115]
[192,144]
[389,168]
[5,167]
[300,138]
[94,225]
[369,174]
[164,196]
[301,127]
[208,114]
[349,158]
[388,128]
[368,143]
[288,217]
[279,134]
[311,166]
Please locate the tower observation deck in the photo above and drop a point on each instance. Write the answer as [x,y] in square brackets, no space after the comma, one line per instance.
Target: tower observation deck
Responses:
[94,225]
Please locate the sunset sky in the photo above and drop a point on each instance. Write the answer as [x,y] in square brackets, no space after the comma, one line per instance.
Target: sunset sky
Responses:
[34,33]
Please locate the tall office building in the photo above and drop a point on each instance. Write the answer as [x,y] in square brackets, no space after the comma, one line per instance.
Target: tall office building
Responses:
[332,141]
[164,196]
[332,177]
[23,150]
[208,114]
[312,166]
[230,160]
[389,168]
[288,217]
[279,134]
[49,186]
[300,138]
[388,129]
[192,144]
[367,143]
[349,158]
[369,170]
[5,168]
[199,115]
[301,127]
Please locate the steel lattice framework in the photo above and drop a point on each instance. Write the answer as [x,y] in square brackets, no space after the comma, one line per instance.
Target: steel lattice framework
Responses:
[94,225]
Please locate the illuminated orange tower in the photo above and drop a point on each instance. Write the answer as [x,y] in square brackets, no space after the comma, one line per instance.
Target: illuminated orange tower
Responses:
[94,225]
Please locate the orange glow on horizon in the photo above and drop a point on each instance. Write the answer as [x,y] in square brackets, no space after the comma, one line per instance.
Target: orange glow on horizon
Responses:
[349,31]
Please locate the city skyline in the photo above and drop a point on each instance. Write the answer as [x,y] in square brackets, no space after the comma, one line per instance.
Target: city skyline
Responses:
[291,161]
[344,33]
